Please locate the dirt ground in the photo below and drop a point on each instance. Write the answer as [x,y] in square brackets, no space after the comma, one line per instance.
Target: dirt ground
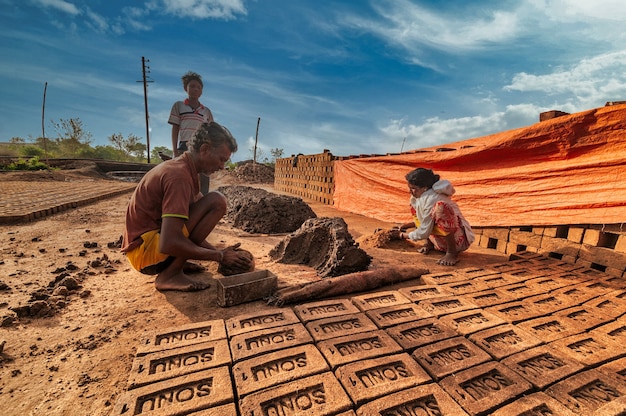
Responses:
[75,358]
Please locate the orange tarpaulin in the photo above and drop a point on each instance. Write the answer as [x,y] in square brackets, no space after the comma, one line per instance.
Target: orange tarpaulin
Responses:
[567,170]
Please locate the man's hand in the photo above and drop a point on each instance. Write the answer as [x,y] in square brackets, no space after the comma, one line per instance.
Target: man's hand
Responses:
[236,260]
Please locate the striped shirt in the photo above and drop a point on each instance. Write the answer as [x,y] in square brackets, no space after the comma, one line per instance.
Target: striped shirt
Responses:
[188,119]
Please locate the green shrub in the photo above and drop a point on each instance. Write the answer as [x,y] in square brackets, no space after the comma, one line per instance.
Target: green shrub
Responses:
[27,164]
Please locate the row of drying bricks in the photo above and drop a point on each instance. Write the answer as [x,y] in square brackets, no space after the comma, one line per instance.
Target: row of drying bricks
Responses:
[550,338]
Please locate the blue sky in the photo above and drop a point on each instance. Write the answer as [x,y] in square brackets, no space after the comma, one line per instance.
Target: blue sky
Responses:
[350,76]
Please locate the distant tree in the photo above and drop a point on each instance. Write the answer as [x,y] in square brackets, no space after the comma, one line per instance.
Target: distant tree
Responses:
[17,140]
[108,153]
[130,147]
[276,154]
[72,136]
[154,154]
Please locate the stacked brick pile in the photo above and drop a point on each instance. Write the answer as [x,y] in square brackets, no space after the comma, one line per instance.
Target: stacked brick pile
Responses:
[598,248]
[534,335]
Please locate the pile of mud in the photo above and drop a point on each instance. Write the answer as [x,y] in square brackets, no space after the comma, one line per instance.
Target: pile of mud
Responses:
[256,210]
[324,244]
[251,172]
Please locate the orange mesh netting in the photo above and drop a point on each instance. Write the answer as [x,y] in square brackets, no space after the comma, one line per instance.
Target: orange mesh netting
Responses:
[567,170]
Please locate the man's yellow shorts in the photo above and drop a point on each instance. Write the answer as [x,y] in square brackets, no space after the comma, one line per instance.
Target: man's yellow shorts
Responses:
[147,258]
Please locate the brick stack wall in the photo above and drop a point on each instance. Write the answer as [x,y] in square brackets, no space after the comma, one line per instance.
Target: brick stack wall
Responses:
[597,248]
[307,176]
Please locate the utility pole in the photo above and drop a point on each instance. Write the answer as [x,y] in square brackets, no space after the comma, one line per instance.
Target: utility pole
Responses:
[256,138]
[43,130]
[146,70]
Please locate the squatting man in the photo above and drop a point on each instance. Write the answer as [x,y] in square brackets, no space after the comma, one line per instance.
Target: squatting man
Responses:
[168,219]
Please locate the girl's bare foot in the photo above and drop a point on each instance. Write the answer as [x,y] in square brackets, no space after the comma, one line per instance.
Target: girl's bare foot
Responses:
[426,248]
[449,259]
[178,281]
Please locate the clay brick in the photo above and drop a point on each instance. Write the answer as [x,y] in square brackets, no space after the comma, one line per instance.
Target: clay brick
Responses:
[578,293]
[584,318]
[615,332]
[379,300]
[591,349]
[525,254]
[550,328]
[559,245]
[548,283]
[489,297]
[550,231]
[510,248]
[418,333]
[496,280]
[470,321]
[446,305]
[585,392]
[320,394]
[514,312]
[449,356]
[324,309]
[423,292]
[524,238]
[441,278]
[620,245]
[225,409]
[484,388]
[521,290]
[592,237]
[260,320]
[350,348]
[463,287]
[543,365]
[469,273]
[549,303]
[368,380]
[604,256]
[180,395]
[615,369]
[398,314]
[614,407]
[176,362]
[341,325]
[534,404]
[608,305]
[422,400]
[514,265]
[182,335]
[575,234]
[615,282]
[504,340]
[497,233]
[268,370]
[249,344]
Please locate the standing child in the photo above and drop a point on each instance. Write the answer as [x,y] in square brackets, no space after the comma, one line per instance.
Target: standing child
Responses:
[186,116]
[437,219]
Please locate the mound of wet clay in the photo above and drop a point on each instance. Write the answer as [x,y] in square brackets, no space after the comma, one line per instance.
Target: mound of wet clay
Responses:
[259,211]
[324,244]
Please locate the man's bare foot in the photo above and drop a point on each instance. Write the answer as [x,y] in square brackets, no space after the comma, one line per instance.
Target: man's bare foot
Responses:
[426,248]
[448,260]
[179,281]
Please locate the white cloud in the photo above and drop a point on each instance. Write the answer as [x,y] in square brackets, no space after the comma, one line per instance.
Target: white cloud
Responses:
[413,27]
[60,5]
[435,131]
[202,9]
[587,84]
